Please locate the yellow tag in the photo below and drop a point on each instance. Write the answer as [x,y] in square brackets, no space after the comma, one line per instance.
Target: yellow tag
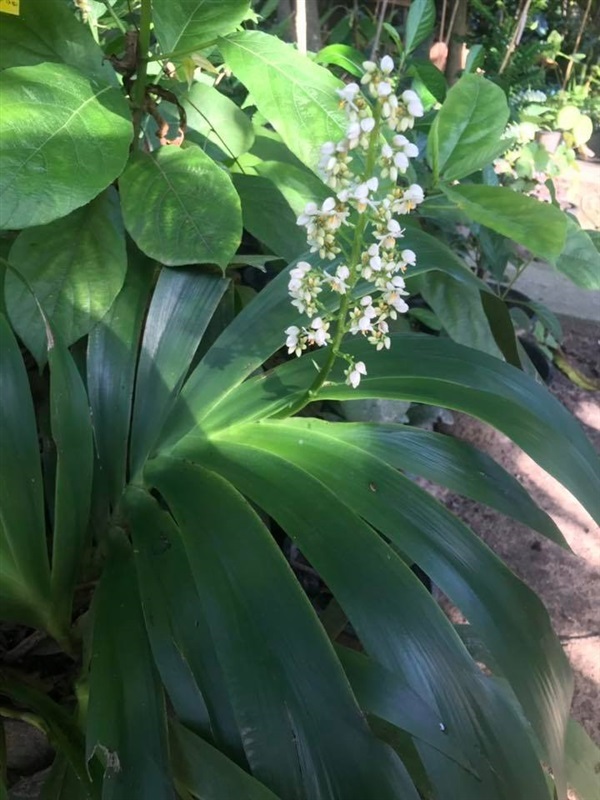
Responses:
[10,6]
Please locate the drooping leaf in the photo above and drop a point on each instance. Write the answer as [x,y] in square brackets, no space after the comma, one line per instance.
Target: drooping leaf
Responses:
[72,435]
[49,31]
[196,216]
[392,613]
[24,566]
[207,773]
[540,227]
[57,124]
[182,305]
[76,267]
[215,122]
[113,346]
[297,96]
[126,719]
[466,132]
[433,254]
[460,311]
[344,56]
[579,259]
[178,626]
[188,25]
[419,23]
[302,732]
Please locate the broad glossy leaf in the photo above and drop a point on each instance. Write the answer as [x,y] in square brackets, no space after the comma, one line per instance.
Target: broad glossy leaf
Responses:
[112,354]
[126,719]
[182,305]
[76,267]
[540,227]
[178,627]
[263,202]
[460,311]
[393,615]
[187,25]
[433,254]
[72,434]
[216,122]
[430,76]
[303,734]
[502,327]
[419,23]
[466,133]
[196,215]
[24,567]
[579,260]
[207,773]
[297,96]
[57,123]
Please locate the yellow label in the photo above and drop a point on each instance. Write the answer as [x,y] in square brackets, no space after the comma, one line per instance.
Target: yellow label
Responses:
[10,6]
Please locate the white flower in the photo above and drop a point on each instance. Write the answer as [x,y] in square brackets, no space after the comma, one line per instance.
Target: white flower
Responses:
[292,342]
[384,89]
[348,94]
[387,238]
[318,333]
[386,65]
[409,257]
[353,373]
[413,103]
[409,199]
[337,282]
[362,194]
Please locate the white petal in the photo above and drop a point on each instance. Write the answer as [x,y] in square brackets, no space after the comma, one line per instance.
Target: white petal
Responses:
[386,65]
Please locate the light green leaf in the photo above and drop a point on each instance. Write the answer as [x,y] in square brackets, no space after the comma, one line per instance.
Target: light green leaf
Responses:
[540,227]
[24,566]
[215,122]
[583,762]
[460,311]
[182,305]
[196,216]
[76,267]
[72,434]
[49,31]
[466,133]
[579,260]
[419,23]
[344,56]
[297,96]
[187,25]
[126,719]
[57,124]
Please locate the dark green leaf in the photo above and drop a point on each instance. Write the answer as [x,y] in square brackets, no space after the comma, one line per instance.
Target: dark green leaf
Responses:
[209,775]
[540,227]
[72,435]
[302,731]
[501,326]
[579,260]
[460,311]
[57,124]
[24,567]
[466,133]
[419,23]
[433,254]
[113,347]
[182,305]
[430,76]
[194,216]
[48,31]
[344,56]
[126,719]
[297,96]
[62,782]
[215,122]
[187,25]
[76,267]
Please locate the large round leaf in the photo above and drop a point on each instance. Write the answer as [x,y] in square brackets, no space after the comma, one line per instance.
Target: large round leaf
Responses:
[180,207]
[75,266]
[189,24]
[63,139]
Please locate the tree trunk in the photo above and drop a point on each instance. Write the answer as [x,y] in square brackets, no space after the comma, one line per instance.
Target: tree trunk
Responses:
[456,45]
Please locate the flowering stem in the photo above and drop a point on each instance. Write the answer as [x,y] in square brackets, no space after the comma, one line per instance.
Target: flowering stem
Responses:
[342,318]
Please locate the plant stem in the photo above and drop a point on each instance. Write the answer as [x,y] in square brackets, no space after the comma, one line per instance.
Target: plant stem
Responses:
[138,94]
[518,272]
[118,21]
